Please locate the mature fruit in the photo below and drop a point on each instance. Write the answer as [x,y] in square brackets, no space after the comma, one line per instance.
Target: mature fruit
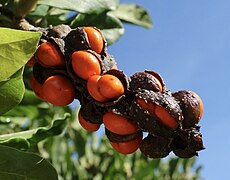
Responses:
[95,39]
[87,125]
[85,64]
[49,55]
[119,124]
[110,86]
[93,88]
[191,105]
[148,80]
[37,88]
[127,147]
[58,90]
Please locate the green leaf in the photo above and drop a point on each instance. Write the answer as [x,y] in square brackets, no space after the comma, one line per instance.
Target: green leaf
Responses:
[111,26]
[134,14]
[20,165]
[30,137]
[86,6]
[11,91]
[16,48]
[30,98]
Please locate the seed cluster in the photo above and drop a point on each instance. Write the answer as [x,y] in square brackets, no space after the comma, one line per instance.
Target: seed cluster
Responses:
[74,64]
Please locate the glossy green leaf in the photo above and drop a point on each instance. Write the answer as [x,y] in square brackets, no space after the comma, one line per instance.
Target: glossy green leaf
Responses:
[31,137]
[111,26]
[11,92]
[86,6]
[134,14]
[16,48]
[20,165]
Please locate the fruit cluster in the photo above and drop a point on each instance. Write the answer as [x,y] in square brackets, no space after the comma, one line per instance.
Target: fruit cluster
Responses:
[74,64]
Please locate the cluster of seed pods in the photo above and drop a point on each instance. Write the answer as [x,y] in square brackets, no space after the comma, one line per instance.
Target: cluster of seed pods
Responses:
[74,64]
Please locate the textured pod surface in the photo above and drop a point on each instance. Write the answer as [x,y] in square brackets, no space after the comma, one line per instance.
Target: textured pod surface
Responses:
[190,106]
[42,73]
[186,143]
[148,80]
[59,31]
[113,137]
[150,122]
[91,112]
[155,146]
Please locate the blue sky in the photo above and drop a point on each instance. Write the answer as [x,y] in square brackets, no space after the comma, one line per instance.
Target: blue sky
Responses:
[189,46]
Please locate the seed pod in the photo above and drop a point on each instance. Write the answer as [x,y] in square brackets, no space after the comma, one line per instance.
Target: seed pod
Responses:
[77,39]
[155,146]
[59,31]
[122,78]
[121,138]
[186,143]
[191,105]
[42,73]
[91,112]
[147,80]
[154,122]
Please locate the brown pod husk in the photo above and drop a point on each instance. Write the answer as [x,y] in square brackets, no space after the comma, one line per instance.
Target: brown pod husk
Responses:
[59,31]
[113,137]
[91,112]
[42,73]
[79,83]
[190,106]
[186,143]
[77,40]
[148,121]
[108,62]
[122,99]
[155,146]
[147,80]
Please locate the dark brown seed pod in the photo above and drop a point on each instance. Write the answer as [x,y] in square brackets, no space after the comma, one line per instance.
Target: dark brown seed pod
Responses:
[155,146]
[186,143]
[77,40]
[91,112]
[155,121]
[147,80]
[121,138]
[42,73]
[79,83]
[108,62]
[191,105]
[122,99]
[59,31]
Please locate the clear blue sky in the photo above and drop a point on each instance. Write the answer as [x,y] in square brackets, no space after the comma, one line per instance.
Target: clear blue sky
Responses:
[189,46]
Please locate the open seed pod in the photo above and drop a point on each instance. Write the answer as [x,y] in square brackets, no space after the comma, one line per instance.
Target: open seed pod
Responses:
[186,143]
[90,111]
[147,80]
[42,73]
[191,105]
[155,146]
[157,113]
[79,39]
[113,137]
[113,85]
